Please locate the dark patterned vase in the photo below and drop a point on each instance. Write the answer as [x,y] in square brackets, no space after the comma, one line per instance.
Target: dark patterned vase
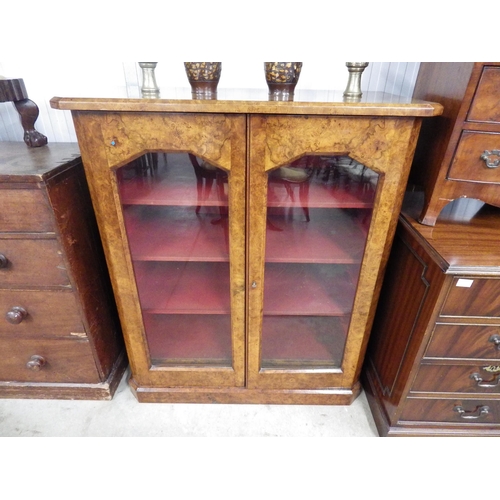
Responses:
[281,78]
[203,78]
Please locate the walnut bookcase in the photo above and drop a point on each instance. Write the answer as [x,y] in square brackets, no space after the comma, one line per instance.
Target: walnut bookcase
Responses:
[246,239]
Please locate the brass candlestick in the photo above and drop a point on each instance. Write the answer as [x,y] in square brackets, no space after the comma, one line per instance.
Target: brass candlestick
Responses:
[353,89]
[149,87]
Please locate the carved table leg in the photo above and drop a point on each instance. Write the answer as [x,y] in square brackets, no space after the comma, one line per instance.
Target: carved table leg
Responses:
[28,112]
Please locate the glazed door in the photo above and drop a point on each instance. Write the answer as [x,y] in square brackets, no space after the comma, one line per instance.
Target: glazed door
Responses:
[175,229]
[317,235]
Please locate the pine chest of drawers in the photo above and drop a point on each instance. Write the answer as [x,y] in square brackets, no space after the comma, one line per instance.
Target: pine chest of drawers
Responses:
[59,331]
[433,362]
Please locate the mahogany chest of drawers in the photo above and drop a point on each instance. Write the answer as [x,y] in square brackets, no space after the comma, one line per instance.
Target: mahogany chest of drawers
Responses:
[59,331]
[433,361]
[458,153]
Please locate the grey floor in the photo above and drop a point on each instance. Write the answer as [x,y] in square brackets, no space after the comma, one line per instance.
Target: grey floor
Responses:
[123,416]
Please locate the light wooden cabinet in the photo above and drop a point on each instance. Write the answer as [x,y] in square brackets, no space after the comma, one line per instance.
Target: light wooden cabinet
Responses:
[246,240]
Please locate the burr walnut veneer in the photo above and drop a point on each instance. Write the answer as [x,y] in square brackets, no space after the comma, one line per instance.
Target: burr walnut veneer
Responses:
[246,239]
[433,361]
[60,335]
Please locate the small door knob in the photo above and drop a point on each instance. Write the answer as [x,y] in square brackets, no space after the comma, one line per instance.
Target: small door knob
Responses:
[36,363]
[16,315]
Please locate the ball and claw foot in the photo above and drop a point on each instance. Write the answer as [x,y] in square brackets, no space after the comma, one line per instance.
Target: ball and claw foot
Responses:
[28,111]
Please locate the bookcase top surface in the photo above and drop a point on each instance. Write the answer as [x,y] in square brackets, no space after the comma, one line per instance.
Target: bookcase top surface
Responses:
[256,101]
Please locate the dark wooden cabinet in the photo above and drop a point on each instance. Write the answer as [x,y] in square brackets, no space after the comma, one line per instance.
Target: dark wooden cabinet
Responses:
[433,362]
[458,154]
[247,240]
[60,335]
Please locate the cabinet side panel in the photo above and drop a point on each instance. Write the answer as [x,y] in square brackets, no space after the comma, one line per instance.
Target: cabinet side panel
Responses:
[405,305]
[84,257]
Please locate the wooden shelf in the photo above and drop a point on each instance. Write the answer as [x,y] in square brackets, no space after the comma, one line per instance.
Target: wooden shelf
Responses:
[306,289]
[176,234]
[161,192]
[179,234]
[189,339]
[173,182]
[287,341]
[183,287]
[203,288]
[181,191]
[330,236]
[341,194]
[291,340]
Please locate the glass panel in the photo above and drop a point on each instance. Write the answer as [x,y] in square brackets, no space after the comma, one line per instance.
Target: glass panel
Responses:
[176,218]
[318,213]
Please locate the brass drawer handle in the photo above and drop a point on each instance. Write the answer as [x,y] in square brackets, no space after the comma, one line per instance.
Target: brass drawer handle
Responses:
[16,315]
[486,158]
[478,412]
[496,340]
[36,363]
[480,382]
[3,261]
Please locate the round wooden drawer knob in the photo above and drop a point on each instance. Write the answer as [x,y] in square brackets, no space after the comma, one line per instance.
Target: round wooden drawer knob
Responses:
[36,363]
[3,261]
[16,315]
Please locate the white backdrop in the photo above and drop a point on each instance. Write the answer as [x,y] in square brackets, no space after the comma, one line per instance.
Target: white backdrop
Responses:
[71,78]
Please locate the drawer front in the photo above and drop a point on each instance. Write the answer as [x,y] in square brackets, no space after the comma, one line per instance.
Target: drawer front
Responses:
[467,164]
[31,263]
[47,313]
[485,106]
[25,210]
[465,342]
[47,361]
[481,298]
[459,411]
[473,379]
